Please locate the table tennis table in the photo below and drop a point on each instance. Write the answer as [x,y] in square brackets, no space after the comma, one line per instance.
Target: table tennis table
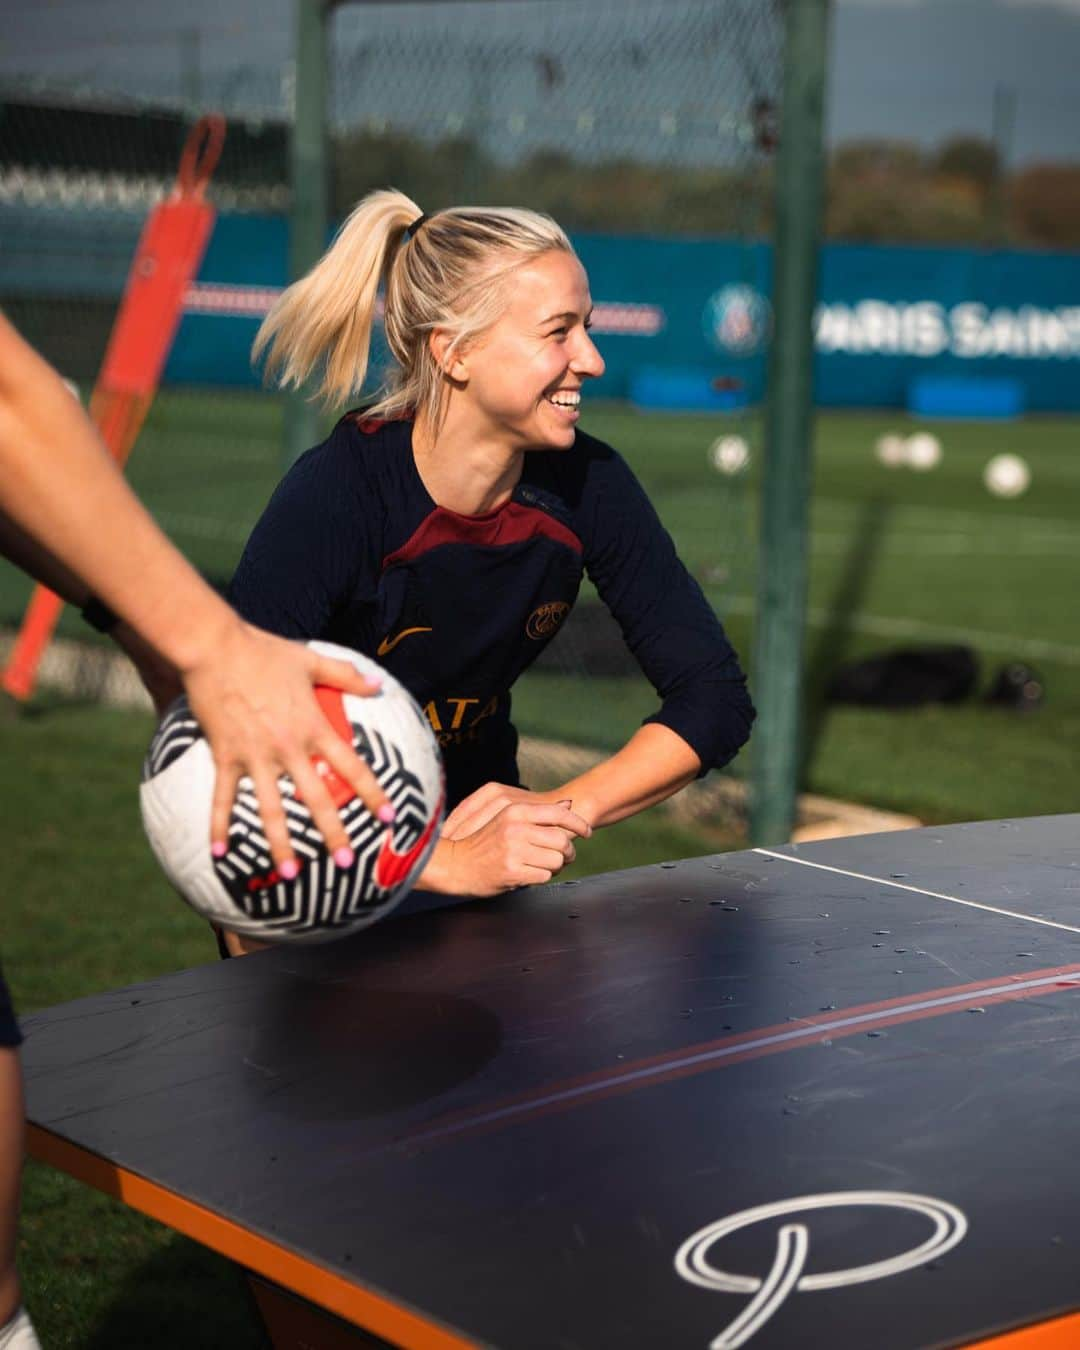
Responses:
[814,1096]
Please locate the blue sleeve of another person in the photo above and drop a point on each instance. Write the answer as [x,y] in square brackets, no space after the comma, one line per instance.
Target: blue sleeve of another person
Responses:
[666,620]
[303,558]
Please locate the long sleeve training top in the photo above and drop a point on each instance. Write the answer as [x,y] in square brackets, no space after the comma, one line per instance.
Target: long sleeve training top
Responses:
[352,549]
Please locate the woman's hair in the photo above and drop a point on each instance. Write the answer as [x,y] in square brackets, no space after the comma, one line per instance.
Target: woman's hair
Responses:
[447,274]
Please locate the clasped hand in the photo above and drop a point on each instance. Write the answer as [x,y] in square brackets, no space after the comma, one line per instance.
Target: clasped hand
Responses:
[502,837]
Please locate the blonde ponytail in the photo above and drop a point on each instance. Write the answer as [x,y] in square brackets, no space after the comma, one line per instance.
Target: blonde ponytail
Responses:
[325,319]
[449,274]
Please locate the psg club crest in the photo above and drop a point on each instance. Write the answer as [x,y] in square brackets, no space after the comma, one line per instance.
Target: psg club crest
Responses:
[738,320]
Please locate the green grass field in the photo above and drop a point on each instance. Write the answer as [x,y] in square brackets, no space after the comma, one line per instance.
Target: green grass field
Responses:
[896,557]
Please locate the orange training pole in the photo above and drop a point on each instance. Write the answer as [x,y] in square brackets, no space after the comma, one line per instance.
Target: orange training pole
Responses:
[166,260]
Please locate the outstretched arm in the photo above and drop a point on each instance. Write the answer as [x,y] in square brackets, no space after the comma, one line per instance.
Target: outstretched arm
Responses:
[70,518]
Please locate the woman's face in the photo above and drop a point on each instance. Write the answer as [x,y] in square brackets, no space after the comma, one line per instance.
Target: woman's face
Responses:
[525,374]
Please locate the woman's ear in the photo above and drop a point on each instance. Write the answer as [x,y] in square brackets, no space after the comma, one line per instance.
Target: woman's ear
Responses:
[452,364]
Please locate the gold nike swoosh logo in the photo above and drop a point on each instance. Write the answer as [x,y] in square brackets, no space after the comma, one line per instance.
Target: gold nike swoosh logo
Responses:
[389,643]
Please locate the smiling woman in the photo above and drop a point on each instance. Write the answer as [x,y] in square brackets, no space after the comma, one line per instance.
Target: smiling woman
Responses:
[446,527]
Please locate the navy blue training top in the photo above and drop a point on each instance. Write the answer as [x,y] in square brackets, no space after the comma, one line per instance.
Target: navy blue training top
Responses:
[352,549]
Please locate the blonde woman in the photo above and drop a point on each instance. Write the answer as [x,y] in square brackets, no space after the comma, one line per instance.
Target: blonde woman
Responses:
[444,529]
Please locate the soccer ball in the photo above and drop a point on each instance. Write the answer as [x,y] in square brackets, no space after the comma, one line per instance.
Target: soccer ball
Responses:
[729,454]
[922,451]
[242,891]
[1007,476]
[891,450]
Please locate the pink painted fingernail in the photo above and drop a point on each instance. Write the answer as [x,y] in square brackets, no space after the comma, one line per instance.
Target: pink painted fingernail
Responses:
[344,856]
[218,849]
[290,870]
[374,681]
[386,814]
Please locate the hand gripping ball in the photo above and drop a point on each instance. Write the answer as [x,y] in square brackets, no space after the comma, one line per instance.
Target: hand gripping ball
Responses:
[242,890]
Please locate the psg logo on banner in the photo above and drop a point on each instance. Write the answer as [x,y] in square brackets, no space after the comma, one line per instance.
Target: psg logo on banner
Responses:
[738,320]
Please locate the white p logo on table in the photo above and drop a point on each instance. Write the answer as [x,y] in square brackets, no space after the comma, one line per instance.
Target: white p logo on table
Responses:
[792,1246]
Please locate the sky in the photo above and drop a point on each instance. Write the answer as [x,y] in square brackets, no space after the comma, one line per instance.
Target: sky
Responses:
[927,69]
[921,70]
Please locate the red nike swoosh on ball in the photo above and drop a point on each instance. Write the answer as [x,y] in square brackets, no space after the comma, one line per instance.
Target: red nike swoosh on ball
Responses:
[332,702]
[391,867]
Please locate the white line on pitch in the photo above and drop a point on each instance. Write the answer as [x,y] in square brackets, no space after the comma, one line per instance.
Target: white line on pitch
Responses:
[918,890]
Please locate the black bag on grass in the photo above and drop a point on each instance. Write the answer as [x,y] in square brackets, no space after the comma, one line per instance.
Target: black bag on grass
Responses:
[906,677]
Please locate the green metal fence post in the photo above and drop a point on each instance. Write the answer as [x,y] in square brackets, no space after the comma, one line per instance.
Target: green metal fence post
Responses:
[782,584]
[308,215]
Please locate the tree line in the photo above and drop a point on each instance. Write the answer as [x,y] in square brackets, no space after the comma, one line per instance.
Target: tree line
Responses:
[878,191]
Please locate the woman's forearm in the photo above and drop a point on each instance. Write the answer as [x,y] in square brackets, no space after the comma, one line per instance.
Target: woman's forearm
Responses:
[67,514]
[62,497]
[37,562]
[653,765]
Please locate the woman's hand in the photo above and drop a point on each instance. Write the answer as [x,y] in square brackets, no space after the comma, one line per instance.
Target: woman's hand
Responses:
[485,803]
[524,843]
[252,695]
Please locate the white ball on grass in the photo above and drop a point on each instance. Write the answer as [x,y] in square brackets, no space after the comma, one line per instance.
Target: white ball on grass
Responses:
[1007,476]
[922,451]
[890,450]
[729,454]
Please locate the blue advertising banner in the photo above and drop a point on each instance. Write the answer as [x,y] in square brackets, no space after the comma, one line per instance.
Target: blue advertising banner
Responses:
[685,306]
[889,316]
[699,311]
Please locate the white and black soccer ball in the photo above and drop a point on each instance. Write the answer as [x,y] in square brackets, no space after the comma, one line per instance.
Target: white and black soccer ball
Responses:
[242,891]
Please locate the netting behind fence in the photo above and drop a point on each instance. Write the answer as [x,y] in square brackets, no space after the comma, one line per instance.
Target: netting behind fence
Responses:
[631,116]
